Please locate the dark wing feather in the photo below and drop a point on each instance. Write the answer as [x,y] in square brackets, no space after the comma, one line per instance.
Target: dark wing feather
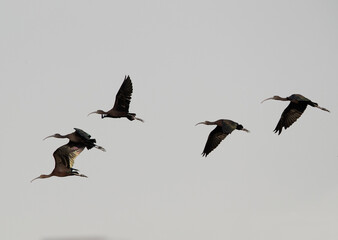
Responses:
[82,133]
[123,96]
[65,155]
[228,126]
[85,137]
[290,115]
[216,136]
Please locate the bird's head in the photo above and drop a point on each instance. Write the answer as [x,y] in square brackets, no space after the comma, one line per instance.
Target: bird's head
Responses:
[97,112]
[56,135]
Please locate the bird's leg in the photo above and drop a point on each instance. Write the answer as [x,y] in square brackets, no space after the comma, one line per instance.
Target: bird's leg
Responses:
[81,175]
[99,147]
[324,109]
[245,130]
[141,120]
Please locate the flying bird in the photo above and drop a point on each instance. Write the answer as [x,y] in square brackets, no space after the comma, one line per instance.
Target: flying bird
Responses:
[294,110]
[79,137]
[122,102]
[224,128]
[64,160]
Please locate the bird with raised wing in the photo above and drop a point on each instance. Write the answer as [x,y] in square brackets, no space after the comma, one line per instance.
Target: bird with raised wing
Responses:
[122,102]
[79,137]
[223,128]
[293,111]
[64,158]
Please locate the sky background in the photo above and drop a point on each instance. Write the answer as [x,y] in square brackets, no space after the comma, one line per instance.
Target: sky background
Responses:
[189,61]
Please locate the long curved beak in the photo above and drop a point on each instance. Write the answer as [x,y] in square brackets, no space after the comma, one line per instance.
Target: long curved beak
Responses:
[35,178]
[91,113]
[49,137]
[245,130]
[199,123]
[267,99]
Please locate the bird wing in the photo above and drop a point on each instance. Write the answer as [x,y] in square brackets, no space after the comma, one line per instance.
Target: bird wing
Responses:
[123,96]
[228,126]
[65,155]
[82,133]
[290,115]
[215,137]
[84,139]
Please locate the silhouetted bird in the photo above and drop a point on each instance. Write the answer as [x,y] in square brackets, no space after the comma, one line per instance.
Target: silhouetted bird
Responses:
[224,128]
[294,110]
[80,137]
[122,101]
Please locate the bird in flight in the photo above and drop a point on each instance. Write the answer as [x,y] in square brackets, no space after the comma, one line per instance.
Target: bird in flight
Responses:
[64,158]
[79,137]
[122,102]
[293,111]
[223,128]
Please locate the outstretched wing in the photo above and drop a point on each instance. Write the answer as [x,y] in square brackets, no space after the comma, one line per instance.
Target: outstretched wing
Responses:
[65,155]
[123,96]
[216,136]
[290,115]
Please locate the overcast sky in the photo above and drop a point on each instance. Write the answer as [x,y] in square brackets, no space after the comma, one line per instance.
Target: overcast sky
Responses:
[189,61]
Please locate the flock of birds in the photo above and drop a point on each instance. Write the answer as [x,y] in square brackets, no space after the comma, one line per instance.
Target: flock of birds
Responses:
[79,140]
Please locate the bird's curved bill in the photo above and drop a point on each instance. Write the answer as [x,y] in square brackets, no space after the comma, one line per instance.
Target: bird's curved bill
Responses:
[91,113]
[35,179]
[267,99]
[245,130]
[199,123]
[48,137]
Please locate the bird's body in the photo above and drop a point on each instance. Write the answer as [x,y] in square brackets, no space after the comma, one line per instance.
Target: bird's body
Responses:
[80,138]
[122,102]
[293,111]
[64,158]
[224,127]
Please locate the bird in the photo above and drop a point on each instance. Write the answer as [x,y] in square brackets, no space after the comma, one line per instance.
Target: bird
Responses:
[122,102]
[224,128]
[293,111]
[80,137]
[64,160]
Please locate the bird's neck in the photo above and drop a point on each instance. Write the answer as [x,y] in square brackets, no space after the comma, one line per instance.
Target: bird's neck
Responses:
[43,176]
[281,98]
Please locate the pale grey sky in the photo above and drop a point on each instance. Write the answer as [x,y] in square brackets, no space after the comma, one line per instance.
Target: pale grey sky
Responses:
[189,61]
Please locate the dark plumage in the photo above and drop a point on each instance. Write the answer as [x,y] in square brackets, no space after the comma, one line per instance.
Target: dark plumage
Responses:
[80,138]
[224,128]
[294,110]
[122,102]
[64,158]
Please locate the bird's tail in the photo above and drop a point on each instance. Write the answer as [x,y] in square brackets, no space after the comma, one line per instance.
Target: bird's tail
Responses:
[99,147]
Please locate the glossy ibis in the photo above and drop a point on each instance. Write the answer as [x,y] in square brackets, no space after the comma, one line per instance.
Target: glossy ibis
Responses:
[64,160]
[224,128]
[122,102]
[80,137]
[294,110]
